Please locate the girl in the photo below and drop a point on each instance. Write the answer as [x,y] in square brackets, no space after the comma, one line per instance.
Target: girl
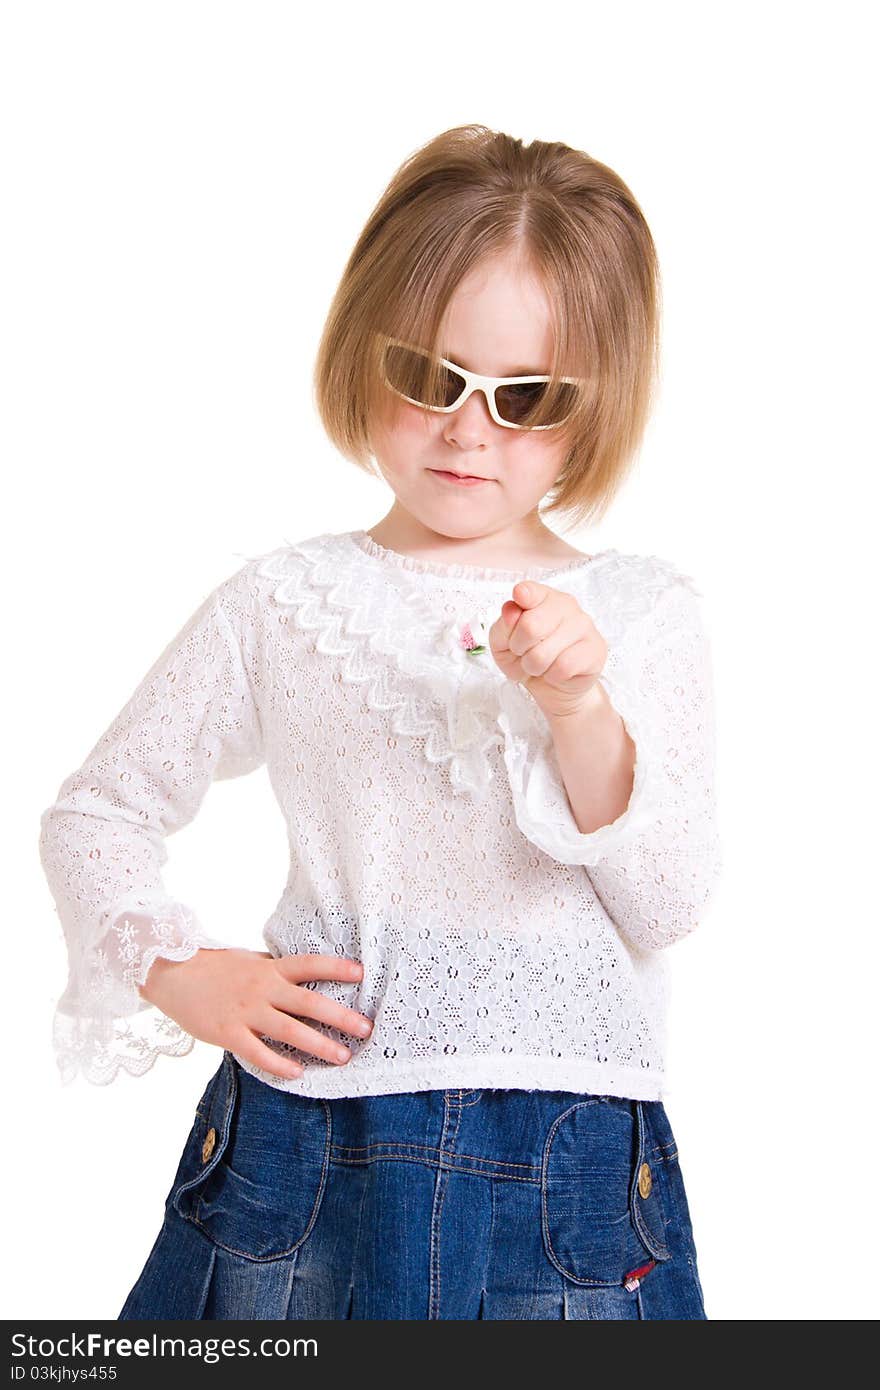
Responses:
[440,1088]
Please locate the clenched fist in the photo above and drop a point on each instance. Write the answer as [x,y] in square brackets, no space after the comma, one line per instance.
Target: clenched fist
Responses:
[545,641]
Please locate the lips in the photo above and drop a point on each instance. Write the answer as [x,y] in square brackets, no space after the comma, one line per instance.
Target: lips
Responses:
[463,477]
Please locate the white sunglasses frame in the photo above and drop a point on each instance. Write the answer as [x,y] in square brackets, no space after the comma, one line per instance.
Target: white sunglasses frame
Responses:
[473,382]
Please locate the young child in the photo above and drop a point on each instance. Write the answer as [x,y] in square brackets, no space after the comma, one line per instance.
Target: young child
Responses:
[440,1088]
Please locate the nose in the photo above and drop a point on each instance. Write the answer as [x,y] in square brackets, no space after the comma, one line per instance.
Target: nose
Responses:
[472,421]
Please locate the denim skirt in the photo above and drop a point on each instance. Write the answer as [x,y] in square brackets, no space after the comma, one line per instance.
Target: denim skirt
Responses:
[425,1204]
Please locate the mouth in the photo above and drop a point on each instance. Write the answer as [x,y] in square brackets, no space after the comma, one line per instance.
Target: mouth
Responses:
[458,479]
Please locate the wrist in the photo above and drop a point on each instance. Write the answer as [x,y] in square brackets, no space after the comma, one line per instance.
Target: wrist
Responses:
[156,973]
[585,710]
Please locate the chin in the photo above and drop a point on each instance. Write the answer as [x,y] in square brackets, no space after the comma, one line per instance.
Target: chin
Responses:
[460,532]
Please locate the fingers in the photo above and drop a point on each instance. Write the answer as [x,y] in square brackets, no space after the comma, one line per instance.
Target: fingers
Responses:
[278,1025]
[534,654]
[272,1017]
[312,1003]
[291,1001]
[519,629]
[259,1055]
[572,666]
[275,1023]
[309,965]
[511,635]
[540,636]
[535,624]
[530,593]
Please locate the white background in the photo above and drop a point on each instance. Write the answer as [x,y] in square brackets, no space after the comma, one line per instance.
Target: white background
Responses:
[182,184]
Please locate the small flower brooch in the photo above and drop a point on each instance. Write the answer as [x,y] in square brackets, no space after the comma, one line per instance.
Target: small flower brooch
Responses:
[463,638]
[474,646]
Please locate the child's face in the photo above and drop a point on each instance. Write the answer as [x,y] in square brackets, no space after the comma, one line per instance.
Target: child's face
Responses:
[498,323]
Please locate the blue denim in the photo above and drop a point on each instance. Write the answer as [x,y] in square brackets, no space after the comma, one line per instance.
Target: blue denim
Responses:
[427,1204]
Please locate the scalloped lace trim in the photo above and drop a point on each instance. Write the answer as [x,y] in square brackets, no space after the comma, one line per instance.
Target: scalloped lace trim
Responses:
[132,1046]
[356,618]
[103,1025]
[360,622]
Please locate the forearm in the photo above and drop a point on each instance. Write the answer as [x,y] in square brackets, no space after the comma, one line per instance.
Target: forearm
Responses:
[596,757]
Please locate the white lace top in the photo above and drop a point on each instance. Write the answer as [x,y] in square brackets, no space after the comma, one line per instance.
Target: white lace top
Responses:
[430,832]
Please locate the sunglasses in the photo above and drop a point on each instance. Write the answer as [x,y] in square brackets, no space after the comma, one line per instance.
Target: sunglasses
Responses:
[511,399]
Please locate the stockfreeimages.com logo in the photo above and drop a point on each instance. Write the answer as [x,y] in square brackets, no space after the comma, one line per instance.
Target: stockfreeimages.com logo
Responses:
[97,1346]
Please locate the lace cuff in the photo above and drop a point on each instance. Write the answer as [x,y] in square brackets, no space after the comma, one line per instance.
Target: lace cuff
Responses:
[193,719]
[540,800]
[102,1024]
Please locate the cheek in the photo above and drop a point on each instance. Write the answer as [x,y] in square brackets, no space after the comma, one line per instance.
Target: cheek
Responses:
[533,462]
[401,428]
[401,440]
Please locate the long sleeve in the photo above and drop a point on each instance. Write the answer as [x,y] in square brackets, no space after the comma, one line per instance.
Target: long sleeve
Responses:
[192,719]
[655,868]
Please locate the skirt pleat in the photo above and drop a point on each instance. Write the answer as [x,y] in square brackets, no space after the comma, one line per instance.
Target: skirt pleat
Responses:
[241,1288]
[177,1276]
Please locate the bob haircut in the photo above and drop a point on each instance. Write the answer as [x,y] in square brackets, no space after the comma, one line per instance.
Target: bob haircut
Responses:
[470,195]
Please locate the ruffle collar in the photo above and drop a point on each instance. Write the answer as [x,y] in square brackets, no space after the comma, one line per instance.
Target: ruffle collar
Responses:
[471,574]
[420,668]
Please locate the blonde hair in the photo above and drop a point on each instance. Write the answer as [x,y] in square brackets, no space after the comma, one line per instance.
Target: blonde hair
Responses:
[472,194]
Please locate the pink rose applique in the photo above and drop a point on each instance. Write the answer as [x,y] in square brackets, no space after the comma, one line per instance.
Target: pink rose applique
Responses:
[474,646]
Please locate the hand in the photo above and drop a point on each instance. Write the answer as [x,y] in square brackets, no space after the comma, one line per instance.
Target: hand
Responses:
[546,642]
[228,997]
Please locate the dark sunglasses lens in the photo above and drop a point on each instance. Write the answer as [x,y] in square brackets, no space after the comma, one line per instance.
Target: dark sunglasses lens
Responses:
[451,386]
[407,372]
[518,402]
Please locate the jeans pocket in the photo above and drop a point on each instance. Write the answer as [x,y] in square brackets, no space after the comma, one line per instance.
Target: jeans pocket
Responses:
[254,1168]
[602,1212]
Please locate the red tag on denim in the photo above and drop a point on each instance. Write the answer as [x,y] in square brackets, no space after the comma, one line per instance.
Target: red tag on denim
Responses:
[635,1276]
